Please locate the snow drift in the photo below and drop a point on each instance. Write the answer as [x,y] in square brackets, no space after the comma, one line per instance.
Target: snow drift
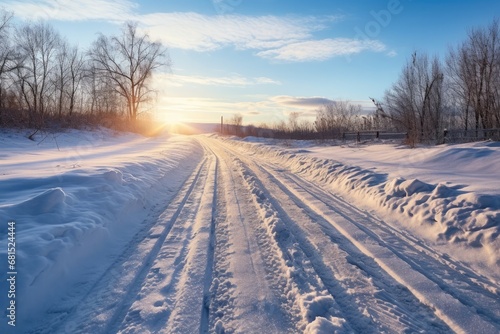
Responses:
[75,202]
[445,214]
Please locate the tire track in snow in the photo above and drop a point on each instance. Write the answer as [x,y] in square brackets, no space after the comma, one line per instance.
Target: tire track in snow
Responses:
[358,320]
[312,308]
[187,273]
[425,286]
[174,296]
[472,290]
[245,297]
[388,306]
[459,309]
[205,311]
[108,300]
[221,306]
[310,292]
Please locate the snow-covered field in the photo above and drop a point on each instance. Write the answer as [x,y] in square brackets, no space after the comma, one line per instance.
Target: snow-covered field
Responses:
[173,234]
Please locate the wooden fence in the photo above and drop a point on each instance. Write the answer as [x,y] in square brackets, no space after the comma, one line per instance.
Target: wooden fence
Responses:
[448,136]
[370,135]
[465,136]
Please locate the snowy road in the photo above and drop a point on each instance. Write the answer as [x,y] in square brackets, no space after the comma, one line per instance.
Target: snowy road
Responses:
[247,246]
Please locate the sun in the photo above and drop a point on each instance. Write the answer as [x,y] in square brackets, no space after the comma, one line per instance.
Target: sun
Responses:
[175,123]
[170,118]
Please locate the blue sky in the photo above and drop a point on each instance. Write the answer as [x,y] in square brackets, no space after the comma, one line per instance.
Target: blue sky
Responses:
[267,58]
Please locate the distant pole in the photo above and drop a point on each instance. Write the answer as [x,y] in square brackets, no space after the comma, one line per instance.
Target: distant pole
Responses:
[222,125]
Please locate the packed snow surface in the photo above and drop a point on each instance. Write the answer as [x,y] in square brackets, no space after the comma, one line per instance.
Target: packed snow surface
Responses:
[117,233]
[447,193]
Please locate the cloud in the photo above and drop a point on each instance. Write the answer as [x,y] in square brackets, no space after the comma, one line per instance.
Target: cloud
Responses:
[72,10]
[225,6]
[193,31]
[309,102]
[392,53]
[284,38]
[235,80]
[257,109]
[319,50]
[210,109]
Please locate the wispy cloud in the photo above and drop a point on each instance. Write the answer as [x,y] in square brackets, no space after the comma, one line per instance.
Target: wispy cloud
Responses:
[282,38]
[199,32]
[318,50]
[275,108]
[73,10]
[235,80]
[210,109]
[392,53]
[293,101]
[314,102]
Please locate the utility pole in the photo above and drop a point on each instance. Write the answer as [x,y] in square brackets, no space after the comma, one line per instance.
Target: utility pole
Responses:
[222,125]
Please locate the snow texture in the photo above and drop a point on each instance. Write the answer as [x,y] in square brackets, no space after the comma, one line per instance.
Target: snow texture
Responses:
[117,233]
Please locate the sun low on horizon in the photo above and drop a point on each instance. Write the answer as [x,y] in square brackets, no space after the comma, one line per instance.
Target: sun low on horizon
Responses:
[265,60]
[249,166]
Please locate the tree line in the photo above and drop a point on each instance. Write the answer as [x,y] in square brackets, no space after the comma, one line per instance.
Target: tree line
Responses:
[461,92]
[46,80]
[332,121]
[431,97]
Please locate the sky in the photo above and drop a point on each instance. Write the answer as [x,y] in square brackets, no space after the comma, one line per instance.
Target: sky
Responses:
[264,59]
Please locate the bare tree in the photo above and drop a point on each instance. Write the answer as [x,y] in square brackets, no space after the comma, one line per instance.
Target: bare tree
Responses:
[7,56]
[334,118]
[235,125]
[415,102]
[380,119]
[236,120]
[42,76]
[101,95]
[460,82]
[280,126]
[76,68]
[474,70]
[61,75]
[6,50]
[293,121]
[435,102]
[37,44]
[68,78]
[295,128]
[129,61]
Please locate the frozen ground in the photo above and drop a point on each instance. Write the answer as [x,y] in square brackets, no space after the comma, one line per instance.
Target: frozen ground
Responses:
[124,234]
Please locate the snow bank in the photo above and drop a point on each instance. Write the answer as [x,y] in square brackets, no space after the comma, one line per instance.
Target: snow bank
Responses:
[446,215]
[76,201]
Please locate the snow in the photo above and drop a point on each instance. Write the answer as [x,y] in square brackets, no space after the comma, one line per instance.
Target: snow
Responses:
[77,199]
[449,194]
[472,167]
[118,233]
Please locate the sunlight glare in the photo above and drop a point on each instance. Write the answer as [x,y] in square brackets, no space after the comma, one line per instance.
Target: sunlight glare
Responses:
[175,123]
[170,118]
